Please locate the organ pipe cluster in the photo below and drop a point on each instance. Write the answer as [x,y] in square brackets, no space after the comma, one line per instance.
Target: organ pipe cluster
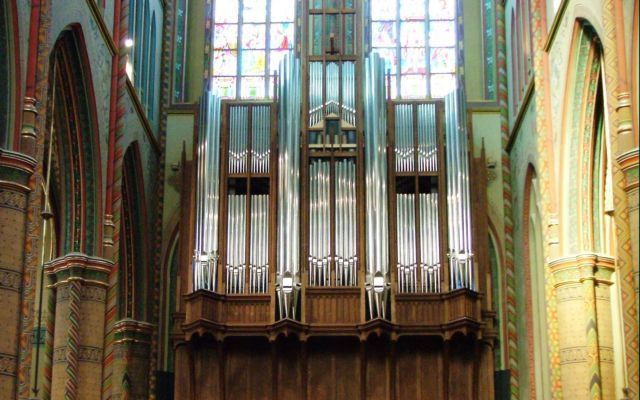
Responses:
[377,213]
[344,258]
[288,278]
[205,258]
[406,146]
[259,240]
[238,140]
[460,255]
[260,139]
[334,95]
[236,232]
[410,235]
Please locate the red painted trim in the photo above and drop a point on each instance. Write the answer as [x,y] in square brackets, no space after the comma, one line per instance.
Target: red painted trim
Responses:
[32,56]
[113,110]
[17,75]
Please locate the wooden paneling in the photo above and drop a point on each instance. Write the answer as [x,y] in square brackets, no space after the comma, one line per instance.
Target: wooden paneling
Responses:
[332,306]
[247,369]
[334,369]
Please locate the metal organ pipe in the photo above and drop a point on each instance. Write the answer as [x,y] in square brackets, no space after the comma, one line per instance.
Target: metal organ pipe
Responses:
[288,185]
[376,186]
[458,197]
[205,260]
[332,91]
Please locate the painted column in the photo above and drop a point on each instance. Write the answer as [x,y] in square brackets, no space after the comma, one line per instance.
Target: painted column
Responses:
[80,284]
[582,286]
[15,170]
[132,348]
[629,165]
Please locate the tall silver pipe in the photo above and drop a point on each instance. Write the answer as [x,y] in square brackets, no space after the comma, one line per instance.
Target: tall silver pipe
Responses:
[459,205]
[377,213]
[205,260]
[348,92]
[288,280]
[315,93]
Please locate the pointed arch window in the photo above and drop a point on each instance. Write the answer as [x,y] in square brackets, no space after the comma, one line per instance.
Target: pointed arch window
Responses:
[417,38]
[249,38]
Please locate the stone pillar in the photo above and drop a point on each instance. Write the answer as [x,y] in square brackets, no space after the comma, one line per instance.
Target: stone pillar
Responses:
[80,282]
[582,286]
[132,351]
[629,165]
[15,170]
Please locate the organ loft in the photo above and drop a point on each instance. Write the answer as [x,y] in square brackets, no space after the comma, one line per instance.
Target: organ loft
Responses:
[335,235]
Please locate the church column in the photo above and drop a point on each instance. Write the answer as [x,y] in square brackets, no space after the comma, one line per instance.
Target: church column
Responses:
[582,286]
[80,283]
[132,349]
[15,170]
[629,165]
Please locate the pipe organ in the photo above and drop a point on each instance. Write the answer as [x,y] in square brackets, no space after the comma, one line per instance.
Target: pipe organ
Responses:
[337,237]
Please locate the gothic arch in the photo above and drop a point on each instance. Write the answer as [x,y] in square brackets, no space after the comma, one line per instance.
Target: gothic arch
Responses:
[535,290]
[134,277]
[10,73]
[75,156]
[582,107]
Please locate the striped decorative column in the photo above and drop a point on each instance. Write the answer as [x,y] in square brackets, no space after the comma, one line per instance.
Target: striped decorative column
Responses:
[80,284]
[15,171]
[584,325]
[131,355]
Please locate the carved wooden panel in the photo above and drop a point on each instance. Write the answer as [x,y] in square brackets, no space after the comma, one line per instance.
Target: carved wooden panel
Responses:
[332,306]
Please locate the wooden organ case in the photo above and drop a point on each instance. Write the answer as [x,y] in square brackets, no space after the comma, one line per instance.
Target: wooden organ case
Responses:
[334,240]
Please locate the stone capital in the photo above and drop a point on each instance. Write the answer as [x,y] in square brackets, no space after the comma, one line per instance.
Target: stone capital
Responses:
[77,266]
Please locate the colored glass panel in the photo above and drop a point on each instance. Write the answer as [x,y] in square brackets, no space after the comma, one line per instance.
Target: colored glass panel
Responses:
[442,34]
[441,84]
[225,62]
[348,3]
[315,35]
[413,61]
[390,57]
[315,4]
[226,11]
[412,9]
[394,86]
[251,87]
[253,36]
[413,86]
[225,36]
[332,29]
[281,36]
[254,10]
[333,3]
[412,34]
[275,56]
[253,62]
[383,10]
[383,34]
[225,86]
[282,10]
[442,60]
[349,34]
[442,9]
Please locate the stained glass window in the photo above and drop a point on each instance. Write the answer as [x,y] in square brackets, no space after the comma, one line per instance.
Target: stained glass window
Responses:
[417,38]
[250,37]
